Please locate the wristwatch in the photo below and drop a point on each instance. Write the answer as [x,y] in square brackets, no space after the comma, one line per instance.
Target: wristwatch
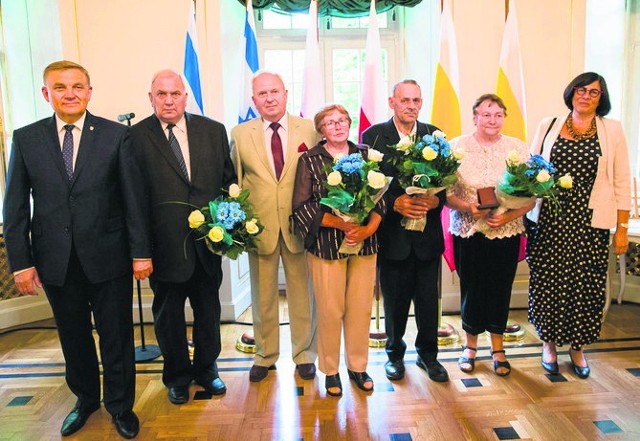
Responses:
[623,225]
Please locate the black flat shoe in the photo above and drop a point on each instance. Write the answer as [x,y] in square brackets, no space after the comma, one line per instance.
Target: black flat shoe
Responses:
[360,378]
[178,394]
[332,381]
[127,424]
[581,371]
[394,370]
[501,364]
[434,369]
[214,387]
[470,361]
[551,367]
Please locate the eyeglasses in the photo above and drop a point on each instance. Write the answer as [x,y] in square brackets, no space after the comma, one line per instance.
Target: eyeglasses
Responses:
[593,93]
[342,122]
[490,116]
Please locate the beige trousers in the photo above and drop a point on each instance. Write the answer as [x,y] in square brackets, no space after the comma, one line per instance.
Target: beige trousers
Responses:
[266,311]
[344,293]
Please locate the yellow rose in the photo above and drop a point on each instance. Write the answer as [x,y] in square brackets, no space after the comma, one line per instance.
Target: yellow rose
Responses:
[458,154]
[234,190]
[252,226]
[196,218]
[376,179]
[514,157]
[375,155]
[429,154]
[543,176]
[566,181]
[334,178]
[216,234]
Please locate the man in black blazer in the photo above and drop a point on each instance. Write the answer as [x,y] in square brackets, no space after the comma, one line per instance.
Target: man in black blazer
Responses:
[186,163]
[81,243]
[409,261]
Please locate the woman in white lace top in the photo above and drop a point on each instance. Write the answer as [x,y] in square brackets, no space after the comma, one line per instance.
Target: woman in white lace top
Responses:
[485,241]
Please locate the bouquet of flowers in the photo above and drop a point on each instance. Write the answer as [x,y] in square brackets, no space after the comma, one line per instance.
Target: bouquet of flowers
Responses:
[522,182]
[228,225]
[425,167]
[354,186]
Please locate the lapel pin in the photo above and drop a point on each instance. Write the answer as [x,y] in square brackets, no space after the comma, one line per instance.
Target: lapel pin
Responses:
[90,127]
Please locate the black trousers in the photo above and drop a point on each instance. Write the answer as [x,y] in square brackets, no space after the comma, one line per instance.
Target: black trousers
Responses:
[110,303]
[486,268]
[404,281]
[170,326]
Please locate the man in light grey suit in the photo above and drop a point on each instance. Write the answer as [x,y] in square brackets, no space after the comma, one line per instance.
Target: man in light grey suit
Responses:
[265,151]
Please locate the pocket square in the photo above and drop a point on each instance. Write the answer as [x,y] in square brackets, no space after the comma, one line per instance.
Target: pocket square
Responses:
[302,148]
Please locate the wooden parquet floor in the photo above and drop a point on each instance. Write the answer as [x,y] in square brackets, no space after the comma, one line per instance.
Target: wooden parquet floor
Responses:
[480,406]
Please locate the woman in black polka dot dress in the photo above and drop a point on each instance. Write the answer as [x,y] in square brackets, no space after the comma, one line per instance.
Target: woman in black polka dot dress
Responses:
[567,251]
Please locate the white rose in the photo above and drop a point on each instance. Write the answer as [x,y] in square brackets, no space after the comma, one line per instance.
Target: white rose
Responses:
[334,178]
[405,144]
[566,181]
[543,176]
[234,190]
[196,218]
[439,134]
[514,157]
[458,154]
[337,157]
[376,179]
[252,226]
[375,155]
[429,154]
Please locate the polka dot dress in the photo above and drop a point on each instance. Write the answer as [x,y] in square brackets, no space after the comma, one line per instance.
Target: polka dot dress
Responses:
[567,257]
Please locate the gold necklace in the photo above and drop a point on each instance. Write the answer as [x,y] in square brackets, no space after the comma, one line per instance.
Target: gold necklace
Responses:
[580,136]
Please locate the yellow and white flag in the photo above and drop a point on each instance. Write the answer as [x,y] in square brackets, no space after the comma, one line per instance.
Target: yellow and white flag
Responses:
[445,110]
[510,79]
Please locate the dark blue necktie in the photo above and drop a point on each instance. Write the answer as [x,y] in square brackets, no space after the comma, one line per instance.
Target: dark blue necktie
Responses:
[175,147]
[67,149]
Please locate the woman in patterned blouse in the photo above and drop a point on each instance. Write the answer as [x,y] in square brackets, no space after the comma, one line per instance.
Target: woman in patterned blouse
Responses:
[486,257]
[343,283]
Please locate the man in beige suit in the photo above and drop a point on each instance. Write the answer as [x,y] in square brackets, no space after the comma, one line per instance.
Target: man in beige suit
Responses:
[265,152]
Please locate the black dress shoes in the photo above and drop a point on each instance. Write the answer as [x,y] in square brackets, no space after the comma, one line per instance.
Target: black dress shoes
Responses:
[307,371]
[77,419]
[214,387]
[259,373]
[127,424]
[434,369]
[551,367]
[394,370]
[178,394]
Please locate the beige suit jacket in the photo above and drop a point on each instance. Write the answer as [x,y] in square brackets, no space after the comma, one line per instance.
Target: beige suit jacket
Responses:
[271,198]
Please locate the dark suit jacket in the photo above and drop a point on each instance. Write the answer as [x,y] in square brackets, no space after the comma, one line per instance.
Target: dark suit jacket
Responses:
[396,242]
[100,211]
[172,197]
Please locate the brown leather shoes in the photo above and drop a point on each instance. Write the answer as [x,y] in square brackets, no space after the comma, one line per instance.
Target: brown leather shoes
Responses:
[307,371]
[259,373]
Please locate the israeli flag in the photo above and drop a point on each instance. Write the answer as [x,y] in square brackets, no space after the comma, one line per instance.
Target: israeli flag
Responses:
[191,68]
[247,110]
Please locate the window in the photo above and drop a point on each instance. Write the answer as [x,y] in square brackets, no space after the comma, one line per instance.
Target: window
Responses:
[342,44]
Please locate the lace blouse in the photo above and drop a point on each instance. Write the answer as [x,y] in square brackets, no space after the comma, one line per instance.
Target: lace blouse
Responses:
[482,166]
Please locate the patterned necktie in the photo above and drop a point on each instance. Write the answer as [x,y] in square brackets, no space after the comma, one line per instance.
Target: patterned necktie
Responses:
[67,149]
[175,147]
[276,149]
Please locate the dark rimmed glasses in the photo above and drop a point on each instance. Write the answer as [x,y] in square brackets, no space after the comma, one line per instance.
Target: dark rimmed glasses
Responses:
[593,93]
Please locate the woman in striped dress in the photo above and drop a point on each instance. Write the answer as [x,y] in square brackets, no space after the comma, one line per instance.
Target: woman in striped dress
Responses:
[343,283]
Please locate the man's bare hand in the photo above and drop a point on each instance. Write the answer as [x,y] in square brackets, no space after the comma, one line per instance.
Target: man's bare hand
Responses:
[27,282]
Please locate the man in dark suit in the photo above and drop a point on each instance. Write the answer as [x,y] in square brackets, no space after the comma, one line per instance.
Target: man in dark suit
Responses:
[409,261]
[87,229]
[186,163]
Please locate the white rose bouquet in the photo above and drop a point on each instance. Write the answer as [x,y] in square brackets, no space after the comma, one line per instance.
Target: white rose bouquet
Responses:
[426,167]
[354,186]
[228,225]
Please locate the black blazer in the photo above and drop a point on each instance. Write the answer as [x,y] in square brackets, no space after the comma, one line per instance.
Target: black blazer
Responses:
[100,211]
[171,197]
[396,242]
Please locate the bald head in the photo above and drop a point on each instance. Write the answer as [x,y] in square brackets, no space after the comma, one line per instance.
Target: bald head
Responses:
[168,96]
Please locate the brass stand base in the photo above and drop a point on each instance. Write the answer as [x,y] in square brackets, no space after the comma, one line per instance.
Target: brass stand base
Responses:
[377,339]
[246,343]
[447,335]
[514,332]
